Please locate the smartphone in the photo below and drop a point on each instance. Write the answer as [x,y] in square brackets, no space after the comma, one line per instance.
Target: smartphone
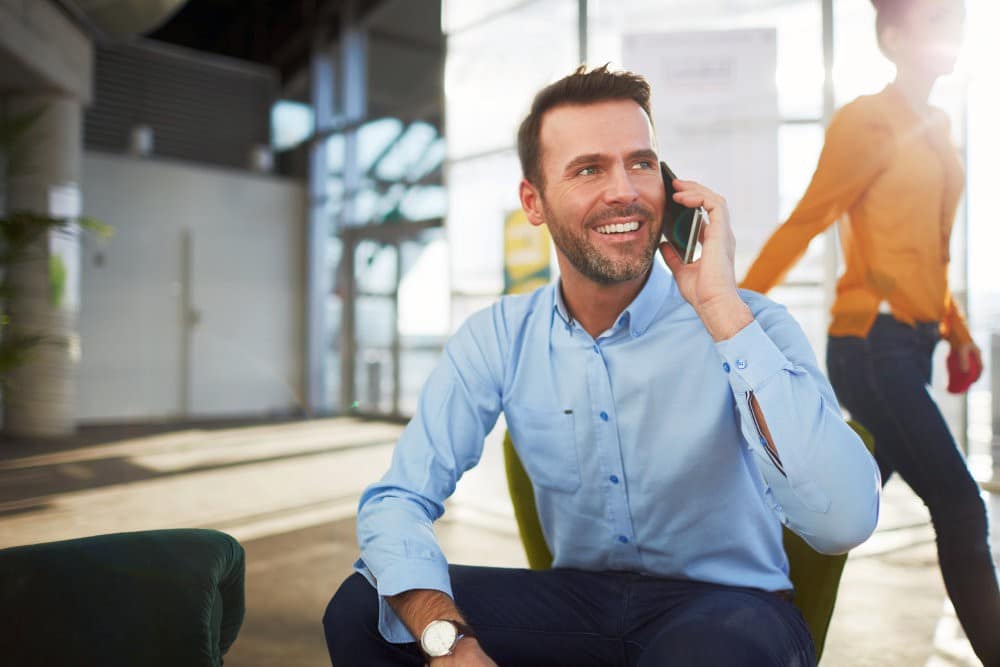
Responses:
[681,225]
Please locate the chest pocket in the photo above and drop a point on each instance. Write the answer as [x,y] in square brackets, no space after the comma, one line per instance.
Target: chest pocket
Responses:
[545,440]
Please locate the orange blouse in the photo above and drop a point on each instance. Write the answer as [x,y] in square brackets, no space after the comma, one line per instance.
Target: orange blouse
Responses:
[895,179]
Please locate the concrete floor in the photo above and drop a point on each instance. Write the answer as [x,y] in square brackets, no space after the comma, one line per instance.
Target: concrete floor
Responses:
[288,491]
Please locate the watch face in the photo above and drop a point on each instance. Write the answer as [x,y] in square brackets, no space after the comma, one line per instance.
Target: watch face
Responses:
[438,638]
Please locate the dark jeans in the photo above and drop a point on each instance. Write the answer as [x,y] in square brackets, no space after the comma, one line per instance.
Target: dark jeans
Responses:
[559,617]
[883,381]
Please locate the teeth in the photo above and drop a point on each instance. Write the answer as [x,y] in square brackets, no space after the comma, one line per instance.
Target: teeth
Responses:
[619,228]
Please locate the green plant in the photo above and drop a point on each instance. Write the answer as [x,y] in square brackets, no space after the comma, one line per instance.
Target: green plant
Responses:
[22,234]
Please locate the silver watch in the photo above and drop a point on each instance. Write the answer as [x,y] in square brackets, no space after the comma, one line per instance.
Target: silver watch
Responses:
[441,636]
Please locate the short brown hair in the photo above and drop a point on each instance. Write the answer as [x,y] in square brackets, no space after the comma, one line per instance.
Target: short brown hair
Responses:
[579,88]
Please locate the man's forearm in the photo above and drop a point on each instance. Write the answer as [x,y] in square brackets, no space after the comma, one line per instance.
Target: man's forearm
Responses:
[417,608]
[725,317]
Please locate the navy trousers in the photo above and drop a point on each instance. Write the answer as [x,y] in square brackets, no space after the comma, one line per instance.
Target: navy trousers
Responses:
[882,380]
[571,618]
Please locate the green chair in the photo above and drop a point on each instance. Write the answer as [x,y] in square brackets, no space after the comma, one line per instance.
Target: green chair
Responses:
[815,576]
[151,598]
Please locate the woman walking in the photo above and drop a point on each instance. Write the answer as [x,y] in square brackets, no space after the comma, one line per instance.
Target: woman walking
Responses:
[889,169]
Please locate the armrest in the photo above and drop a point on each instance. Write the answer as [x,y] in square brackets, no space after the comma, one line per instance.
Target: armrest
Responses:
[164,597]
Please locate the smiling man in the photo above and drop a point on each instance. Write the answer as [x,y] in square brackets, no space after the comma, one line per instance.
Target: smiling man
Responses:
[670,424]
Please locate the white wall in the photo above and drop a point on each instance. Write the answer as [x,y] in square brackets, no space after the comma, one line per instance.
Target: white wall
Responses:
[246,279]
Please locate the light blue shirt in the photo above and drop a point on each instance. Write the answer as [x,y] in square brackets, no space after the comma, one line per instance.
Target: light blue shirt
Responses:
[641,445]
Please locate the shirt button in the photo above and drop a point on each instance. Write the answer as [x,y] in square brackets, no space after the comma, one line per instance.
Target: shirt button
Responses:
[614,479]
[604,416]
[741,364]
[623,539]
[636,334]
[725,366]
[597,349]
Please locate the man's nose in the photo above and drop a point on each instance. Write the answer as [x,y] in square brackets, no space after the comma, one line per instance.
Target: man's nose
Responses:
[621,189]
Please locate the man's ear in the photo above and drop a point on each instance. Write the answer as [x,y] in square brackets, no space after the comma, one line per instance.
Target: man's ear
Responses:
[531,202]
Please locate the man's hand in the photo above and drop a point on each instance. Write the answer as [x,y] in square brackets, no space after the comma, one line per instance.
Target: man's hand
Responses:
[468,653]
[709,283]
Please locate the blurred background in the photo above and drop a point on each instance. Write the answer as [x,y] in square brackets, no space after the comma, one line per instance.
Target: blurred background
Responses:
[286,206]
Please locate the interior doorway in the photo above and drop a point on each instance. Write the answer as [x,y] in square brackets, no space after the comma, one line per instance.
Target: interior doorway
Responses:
[392,315]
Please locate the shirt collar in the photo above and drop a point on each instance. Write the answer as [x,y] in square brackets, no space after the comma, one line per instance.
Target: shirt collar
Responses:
[559,305]
[642,311]
[903,114]
[650,300]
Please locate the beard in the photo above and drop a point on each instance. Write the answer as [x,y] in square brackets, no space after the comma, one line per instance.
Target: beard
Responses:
[587,258]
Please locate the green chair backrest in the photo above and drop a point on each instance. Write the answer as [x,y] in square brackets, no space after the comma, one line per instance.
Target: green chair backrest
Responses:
[815,576]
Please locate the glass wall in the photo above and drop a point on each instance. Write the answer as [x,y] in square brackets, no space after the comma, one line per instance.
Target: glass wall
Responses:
[396,168]
[799,85]
[499,54]
[534,43]
[982,51]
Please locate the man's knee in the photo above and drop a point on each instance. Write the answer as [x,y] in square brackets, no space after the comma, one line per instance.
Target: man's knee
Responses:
[351,616]
[734,630]
[707,645]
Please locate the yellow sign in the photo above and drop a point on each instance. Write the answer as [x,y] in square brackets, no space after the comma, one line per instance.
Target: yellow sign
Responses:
[526,253]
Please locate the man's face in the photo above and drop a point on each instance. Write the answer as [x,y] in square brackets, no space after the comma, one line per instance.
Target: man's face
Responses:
[603,196]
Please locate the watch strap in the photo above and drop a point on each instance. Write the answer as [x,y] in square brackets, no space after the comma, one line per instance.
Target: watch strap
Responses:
[463,629]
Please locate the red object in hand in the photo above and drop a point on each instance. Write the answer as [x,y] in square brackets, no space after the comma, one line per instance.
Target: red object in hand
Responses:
[959,382]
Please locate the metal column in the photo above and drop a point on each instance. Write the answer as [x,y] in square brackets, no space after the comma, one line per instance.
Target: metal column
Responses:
[829,286]
[354,96]
[321,79]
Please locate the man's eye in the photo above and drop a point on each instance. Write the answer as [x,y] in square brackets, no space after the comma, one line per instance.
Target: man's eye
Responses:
[587,171]
[643,164]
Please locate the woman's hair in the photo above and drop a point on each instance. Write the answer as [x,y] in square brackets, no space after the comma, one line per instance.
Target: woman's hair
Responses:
[889,12]
[580,87]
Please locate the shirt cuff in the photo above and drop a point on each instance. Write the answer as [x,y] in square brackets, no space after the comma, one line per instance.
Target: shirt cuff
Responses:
[403,576]
[751,358]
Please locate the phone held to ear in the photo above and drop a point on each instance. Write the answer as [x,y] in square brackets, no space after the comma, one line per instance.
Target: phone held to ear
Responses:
[681,225]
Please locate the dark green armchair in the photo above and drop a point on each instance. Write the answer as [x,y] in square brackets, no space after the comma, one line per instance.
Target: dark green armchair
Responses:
[815,576]
[162,597]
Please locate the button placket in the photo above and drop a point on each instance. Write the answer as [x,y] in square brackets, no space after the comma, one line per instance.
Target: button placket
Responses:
[610,447]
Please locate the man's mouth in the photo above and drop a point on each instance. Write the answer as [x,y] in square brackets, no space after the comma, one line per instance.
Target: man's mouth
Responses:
[618,227]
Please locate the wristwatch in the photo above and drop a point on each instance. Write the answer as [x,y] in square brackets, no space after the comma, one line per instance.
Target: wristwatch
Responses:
[440,637]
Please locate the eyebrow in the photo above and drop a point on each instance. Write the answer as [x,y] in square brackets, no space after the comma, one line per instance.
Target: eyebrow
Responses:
[647,153]
[581,160]
[590,158]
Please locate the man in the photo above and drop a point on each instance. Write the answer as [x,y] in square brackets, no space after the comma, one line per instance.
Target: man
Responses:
[669,425]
